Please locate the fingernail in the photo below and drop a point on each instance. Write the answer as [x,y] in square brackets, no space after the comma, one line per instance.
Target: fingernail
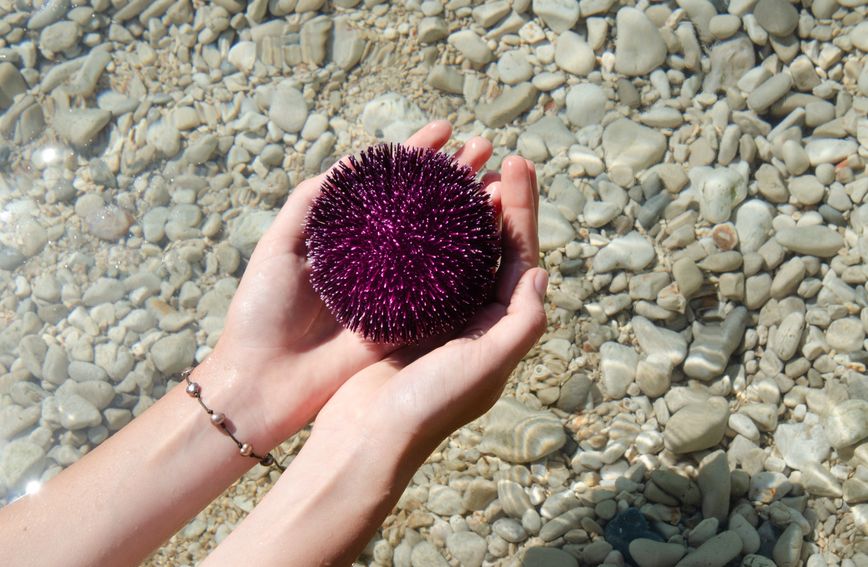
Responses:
[541,282]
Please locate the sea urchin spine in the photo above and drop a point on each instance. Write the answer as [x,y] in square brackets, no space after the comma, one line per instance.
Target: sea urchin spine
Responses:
[403,243]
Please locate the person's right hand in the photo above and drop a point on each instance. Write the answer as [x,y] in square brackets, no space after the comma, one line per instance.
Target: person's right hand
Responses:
[281,347]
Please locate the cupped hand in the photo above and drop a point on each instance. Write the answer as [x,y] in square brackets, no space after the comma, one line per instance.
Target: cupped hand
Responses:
[279,335]
[420,398]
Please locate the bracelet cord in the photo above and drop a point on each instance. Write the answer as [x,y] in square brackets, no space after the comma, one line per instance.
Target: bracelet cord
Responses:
[218,419]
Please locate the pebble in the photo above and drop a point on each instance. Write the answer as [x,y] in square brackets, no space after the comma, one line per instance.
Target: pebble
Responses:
[20,460]
[513,67]
[518,434]
[80,126]
[554,230]
[471,47]
[288,109]
[573,54]
[77,413]
[444,501]
[654,340]
[650,553]
[778,17]
[829,151]
[618,368]
[802,443]
[714,483]
[58,37]
[846,335]
[810,240]
[719,191]
[628,144]
[716,552]
[559,15]
[714,344]
[508,105]
[631,252]
[788,549]
[639,48]
[426,555]
[586,104]
[696,426]
[548,557]
[467,547]
[174,353]
[847,423]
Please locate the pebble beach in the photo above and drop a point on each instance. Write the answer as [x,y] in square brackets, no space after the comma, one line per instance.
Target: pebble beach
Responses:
[700,396]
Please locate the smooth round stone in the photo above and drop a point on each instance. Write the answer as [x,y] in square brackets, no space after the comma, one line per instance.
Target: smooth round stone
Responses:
[750,539]
[829,150]
[174,353]
[586,104]
[847,423]
[724,26]
[811,240]
[467,547]
[519,434]
[425,554]
[650,553]
[846,335]
[288,109]
[548,557]
[618,368]
[514,67]
[242,55]
[631,252]
[628,144]
[859,36]
[716,552]
[559,15]
[788,549]
[77,413]
[573,54]
[697,426]
[444,500]
[554,230]
[802,443]
[471,46]
[778,17]
[753,224]
[510,530]
[639,47]
[20,460]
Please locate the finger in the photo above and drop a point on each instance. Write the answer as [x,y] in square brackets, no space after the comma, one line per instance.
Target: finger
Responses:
[474,153]
[525,320]
[490,177]
[493,190]
[519,232]
[433,135]
[534,183]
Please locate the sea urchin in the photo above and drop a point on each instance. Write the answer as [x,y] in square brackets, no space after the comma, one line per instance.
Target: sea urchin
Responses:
[403,243]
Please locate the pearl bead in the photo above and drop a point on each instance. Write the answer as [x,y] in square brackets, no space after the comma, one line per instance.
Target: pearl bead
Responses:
[246,450]
[193,389]
[217,418]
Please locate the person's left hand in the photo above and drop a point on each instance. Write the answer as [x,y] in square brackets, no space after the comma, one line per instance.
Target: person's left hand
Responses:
[281,345]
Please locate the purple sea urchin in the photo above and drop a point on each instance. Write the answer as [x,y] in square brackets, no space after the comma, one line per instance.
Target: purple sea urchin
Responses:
[403,244]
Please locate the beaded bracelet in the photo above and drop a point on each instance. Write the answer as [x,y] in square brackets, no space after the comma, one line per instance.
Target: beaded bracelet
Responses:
[219,420]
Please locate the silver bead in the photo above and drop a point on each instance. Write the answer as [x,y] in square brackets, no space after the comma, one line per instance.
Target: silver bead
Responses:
[246,450]
[193,389]
[267,460]
[217,418]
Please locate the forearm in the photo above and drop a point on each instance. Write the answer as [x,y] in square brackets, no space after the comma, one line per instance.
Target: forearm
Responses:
[327,505]
[122,500]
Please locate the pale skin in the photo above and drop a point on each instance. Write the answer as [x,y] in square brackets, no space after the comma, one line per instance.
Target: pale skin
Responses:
[282,361]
